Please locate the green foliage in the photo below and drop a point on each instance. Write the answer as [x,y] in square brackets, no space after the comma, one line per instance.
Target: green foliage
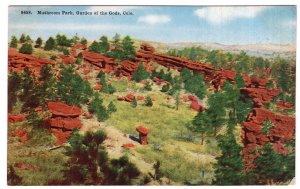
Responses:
[266,126]
[28,39]
[14,85]
[272,167]
[165,88]
[128,48]
[283,78]
[140,73]
[89,163]
[106,88]
[186,74]
[12,178]
[38,42]
[229,166]
[26,48]
[23,38]
[162,75]
[111,107]
[62,40]
[13,42]
[66,52]
[117,40]
[201,123]
[134,103]
[157,171]
[94,47]
[196,85]
[50,44]
[147,86]
[83,41]
[176,86]
[35,120]
[71,88]
[216,111]
[148,101]
[104,45]
[96,107]
[270,84]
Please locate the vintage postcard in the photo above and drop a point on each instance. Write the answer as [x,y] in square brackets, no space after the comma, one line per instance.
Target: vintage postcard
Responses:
[151,95]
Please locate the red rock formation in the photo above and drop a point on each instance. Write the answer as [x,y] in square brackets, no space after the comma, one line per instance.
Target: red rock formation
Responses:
[18,61]
[26,167]
[127,98]
[284,105]
[139,98]
[14,118]
[128,145]
[21,133]
[194,104]
[260,96]
[63,121]
[143,132]
[64,110]
[67,59]
[98,87]
[86,71]
[282,131]
[105,63]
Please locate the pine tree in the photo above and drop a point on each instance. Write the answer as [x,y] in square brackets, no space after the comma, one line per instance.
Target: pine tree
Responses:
[111,107]
[196,85]
[13,42]
[14,85]
[186,74]
[94,47]
[134,103]
[96,107]
[165,88]
[147,86]
[103,45]
[128,48]
[229,166]
[28,39]
[26,48]
[38,42]
[201,124]
[23,38]
[83,41]
[148,101]
[268,165]
[216,111]
[50,44]
[117,40]
[140,73]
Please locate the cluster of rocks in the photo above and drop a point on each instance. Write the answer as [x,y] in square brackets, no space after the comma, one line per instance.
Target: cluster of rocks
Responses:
[63,121]
[282,131]
[105,63]
[14,118]
[194,103]
[18,61]
[129,98]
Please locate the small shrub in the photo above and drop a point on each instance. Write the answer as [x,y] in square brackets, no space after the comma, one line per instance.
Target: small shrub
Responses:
[148,101]
[26,49]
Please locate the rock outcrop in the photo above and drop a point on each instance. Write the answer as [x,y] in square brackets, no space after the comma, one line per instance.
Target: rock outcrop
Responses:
[18,61]
[63,121]
[260,96]
[105,63]
[14,118]
[282,131]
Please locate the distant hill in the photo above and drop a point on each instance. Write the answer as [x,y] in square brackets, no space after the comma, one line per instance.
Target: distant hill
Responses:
[264,50]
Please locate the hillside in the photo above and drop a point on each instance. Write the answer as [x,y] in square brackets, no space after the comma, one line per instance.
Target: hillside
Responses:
[127,112]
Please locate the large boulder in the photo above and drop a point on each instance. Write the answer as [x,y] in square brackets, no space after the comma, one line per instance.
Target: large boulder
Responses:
[64,110]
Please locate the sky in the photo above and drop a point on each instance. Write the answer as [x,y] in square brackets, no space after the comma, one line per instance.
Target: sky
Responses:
[209,24]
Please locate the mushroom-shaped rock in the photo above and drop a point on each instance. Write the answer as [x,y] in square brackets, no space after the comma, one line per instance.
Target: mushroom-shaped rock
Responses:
[61,109]
[143,132]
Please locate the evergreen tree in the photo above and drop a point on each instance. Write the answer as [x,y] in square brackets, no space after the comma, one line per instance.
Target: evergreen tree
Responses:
[38,42]
[96,107]
[26,48]
[140,73]
[103,45]
[28,39]
[89,163]
[71,88]
[147,86]
[229,166]
[83,41]
[23,38]
[14,85]
[196,85]
[50,44]
[165,88]
[95,47]
[216,111]
[111,107]
[13,42]
[201,124]
[283,81]
[266,126]
[268,165]
[186,74]
[148,101]
[177,100]
[117,40]
[128,48]
[134,103]
[66,52]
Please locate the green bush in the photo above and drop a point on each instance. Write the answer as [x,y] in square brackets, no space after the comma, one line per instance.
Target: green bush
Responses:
[26,49]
